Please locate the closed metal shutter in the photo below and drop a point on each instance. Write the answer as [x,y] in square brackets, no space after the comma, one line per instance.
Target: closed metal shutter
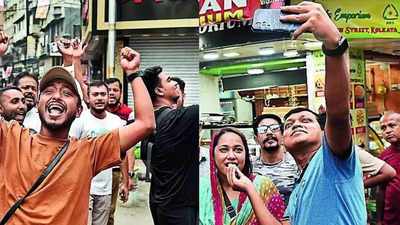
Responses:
[177,55]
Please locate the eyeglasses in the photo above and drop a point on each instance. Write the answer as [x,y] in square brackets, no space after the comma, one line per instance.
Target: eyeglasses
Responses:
[273,127]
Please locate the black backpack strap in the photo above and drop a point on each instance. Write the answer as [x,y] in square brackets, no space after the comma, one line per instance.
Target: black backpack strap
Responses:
[41,178]
[148,161]
[229,208]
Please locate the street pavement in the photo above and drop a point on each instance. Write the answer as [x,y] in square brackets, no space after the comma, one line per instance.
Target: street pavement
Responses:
[136,211]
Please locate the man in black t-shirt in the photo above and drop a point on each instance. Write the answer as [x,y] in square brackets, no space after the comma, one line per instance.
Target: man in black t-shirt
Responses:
[174,163]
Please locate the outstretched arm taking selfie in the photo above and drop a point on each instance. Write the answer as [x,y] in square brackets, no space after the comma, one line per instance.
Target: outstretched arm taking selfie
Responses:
[337,90]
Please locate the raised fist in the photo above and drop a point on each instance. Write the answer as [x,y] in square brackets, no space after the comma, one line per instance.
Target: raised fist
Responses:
[4,42]
[130,60]
[70,48]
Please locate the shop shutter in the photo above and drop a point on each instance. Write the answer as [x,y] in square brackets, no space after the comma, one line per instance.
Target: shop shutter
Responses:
[177,55]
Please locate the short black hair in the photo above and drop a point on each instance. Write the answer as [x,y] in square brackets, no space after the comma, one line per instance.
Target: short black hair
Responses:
[97,83]
[259,118]
[2,90]
[22,75]
[301,109]
[180,82]
[152,80]
[113,80]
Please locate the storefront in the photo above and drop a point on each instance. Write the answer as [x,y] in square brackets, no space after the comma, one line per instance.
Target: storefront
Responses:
[163,32]
[269,73]
[247,73]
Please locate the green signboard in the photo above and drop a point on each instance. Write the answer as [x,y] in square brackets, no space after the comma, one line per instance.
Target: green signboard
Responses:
[364,18]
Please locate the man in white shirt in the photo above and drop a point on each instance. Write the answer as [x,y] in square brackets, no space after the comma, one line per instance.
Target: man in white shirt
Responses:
[92,123]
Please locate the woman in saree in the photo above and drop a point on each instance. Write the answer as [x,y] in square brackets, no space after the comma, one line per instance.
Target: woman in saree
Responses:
[232,195]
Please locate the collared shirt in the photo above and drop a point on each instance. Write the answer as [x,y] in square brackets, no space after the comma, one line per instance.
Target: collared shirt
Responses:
[391,214]
[121,110]
[330,192]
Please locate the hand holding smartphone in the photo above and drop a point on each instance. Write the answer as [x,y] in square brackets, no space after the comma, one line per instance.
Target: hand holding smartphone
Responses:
[268,20]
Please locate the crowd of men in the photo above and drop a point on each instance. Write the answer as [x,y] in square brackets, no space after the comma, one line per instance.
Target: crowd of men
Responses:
[84,185]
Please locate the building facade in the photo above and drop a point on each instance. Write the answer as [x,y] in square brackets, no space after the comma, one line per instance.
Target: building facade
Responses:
[33,46]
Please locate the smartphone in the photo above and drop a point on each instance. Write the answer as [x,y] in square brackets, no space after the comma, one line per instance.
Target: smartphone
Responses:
[268,20]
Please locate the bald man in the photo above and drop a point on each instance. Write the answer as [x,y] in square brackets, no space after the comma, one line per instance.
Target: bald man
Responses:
[388,207]
[12,104]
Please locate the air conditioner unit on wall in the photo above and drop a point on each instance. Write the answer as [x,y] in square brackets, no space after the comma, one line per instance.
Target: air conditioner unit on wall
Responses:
[57,11]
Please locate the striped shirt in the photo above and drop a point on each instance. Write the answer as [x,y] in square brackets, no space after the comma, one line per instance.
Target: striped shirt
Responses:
[283,173]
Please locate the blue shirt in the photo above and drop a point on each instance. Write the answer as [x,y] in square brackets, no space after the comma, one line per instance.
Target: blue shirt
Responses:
[330,192]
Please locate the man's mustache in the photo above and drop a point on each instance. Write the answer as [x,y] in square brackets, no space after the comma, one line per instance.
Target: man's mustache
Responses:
[29,95]
[270,138]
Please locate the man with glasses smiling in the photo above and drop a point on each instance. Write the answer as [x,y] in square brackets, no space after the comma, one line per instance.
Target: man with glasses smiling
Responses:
[275,162]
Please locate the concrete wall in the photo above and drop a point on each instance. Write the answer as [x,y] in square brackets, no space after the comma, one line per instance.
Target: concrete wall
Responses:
[244,111]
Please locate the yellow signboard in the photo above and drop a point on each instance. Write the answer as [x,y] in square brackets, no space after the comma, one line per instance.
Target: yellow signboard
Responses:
[364,18]
[357,91]
[31,46]
[42,9]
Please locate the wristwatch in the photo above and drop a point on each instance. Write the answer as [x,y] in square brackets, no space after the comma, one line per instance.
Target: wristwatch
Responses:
[131,174]
[342,46]
[134,75]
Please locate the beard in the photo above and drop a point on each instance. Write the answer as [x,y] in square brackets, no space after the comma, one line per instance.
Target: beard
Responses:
[98,111]
[175,99]
[29,105]
[271,148]
[113,105]
[11,116]
[55,127]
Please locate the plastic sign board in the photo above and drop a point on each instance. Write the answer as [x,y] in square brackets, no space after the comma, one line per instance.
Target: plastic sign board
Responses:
[42,9]
[219,11]
[364,18]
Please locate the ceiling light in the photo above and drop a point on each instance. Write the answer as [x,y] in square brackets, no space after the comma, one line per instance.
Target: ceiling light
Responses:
[255,71]
[211,56]
[291,69]
[266,51]
[290,53]
[231,54]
